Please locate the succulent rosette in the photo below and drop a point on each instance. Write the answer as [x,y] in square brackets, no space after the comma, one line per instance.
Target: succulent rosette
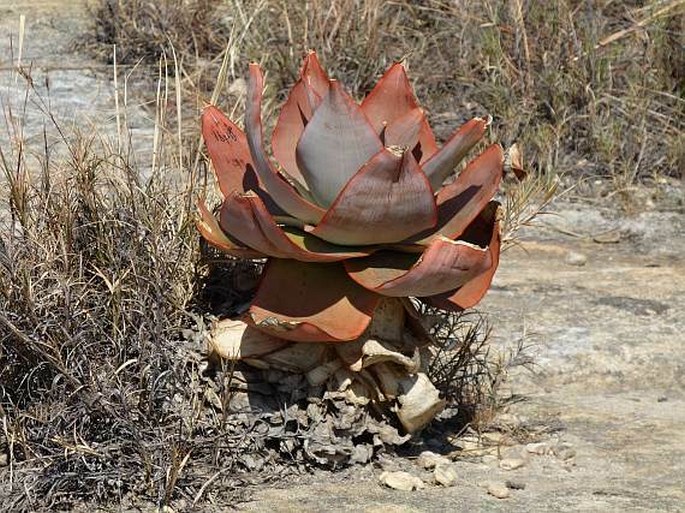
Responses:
[362,203]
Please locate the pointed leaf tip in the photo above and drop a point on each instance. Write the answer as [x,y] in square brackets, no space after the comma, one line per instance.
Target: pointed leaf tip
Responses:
[303,100]
[443,162]
[391,99]
[336,142]
[283,194]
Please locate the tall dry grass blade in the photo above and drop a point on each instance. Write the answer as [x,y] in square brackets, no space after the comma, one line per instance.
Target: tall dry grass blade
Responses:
[20,52]
[117,110]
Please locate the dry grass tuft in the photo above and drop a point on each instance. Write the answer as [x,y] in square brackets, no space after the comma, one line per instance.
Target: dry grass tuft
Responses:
[144,30]
[592,89]
[96,286]
[467,371]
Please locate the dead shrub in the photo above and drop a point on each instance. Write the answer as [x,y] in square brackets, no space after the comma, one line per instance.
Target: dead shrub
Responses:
[144,30]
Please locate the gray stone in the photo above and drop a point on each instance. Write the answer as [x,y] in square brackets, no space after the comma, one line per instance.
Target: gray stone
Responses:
[564,451]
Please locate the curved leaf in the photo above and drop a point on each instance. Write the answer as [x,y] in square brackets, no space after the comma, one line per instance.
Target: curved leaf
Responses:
[460,202]
[441,165]
[336,142]
[444,266]
[392,98]
[209,228]
[388,200]
[296,112]
[245,217]
[404,130]
[281,191]
[227,148]
[486,226]
[307,302]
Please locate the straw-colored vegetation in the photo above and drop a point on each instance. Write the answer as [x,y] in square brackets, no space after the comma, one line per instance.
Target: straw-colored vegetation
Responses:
[589,88]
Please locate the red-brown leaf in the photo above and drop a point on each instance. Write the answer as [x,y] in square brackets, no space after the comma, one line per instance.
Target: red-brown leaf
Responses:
[312,87]
[209,228]
[444,266]
[392,98]
[245,217]
[283,194]
[388,200]
[404,130]
[486,225]
[227,148]
[442,163]
[460,202]
[307,302]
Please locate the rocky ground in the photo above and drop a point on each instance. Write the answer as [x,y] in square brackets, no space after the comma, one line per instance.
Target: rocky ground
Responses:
[597,293]
[604,406]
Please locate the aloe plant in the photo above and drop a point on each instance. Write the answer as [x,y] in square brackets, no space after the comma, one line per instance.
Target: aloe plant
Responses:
[361,205]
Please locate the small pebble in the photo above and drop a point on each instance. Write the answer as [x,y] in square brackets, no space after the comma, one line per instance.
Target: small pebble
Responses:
[499,490]
[4,459]
[511,463]
[445,474]
[401,481]
[429,460]
[538,448]
[576,259]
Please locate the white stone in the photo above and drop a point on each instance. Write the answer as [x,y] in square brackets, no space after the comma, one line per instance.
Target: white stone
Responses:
[429,460]
[511,463]
[401,481]
[576,259]
[445,474]
[499,490]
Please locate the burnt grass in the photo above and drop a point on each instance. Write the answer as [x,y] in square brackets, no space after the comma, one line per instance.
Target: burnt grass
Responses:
[106,291]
